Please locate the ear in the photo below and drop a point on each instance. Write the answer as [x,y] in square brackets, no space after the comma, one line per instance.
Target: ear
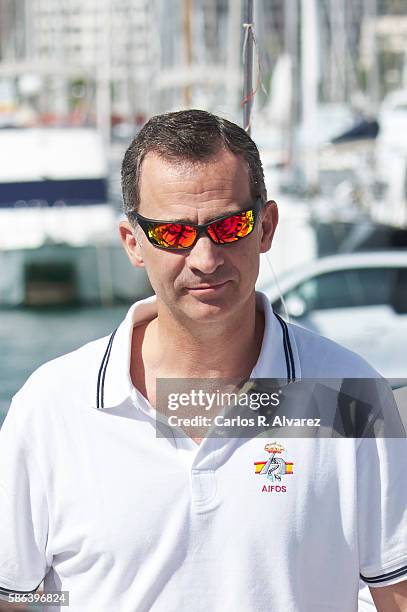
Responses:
[269,221]
[130,238]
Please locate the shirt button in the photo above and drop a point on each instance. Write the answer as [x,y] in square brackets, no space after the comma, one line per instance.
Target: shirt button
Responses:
[203,487]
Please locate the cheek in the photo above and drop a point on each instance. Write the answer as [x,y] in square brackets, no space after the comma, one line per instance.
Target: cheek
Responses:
[249,250]
[246,260]
[162,268]
[252,264]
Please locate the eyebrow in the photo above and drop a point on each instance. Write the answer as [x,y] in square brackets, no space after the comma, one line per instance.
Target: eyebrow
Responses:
[213,220]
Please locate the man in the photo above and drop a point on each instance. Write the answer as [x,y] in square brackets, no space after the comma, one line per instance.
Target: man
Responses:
[90,496]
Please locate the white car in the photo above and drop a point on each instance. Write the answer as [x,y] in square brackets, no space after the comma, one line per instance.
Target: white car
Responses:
[357,299]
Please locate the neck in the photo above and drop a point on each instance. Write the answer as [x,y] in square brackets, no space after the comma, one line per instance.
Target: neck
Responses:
[204,350]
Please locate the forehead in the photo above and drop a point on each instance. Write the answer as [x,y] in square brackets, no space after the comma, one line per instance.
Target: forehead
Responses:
[193,190]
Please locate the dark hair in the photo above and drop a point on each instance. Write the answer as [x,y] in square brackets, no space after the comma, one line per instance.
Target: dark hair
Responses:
[189,135]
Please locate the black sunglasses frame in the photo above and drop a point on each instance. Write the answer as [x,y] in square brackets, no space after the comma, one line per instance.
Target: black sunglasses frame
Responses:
[144,223]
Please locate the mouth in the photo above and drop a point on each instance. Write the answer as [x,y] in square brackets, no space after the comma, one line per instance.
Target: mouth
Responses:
[207,288]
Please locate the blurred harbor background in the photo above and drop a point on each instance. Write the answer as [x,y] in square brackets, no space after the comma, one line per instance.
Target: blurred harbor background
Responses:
[78,79]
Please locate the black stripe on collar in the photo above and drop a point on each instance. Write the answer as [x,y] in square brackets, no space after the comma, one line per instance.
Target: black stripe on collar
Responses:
[289,358]
[383,577]
[100,388]
[4,591]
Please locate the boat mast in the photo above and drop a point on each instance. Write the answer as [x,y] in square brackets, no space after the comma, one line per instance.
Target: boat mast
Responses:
[373,75]
[291,48]
[233,83]
[309,93]
[248,65]
[103,70]
[187,38]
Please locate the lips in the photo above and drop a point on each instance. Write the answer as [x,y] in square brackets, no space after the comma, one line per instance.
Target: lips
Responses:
[203,287]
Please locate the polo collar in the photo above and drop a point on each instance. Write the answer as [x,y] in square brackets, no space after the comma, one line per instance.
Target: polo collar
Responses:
[278,355]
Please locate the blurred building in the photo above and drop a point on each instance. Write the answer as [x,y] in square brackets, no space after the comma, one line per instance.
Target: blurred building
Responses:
[12,29]
[99,44]
[105,38]
[392,7]
[134,57]
[199,54]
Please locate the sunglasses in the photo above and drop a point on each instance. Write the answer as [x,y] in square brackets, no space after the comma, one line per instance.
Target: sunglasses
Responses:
[177,236]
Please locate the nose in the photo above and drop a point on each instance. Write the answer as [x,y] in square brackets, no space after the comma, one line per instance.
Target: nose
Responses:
[205,256]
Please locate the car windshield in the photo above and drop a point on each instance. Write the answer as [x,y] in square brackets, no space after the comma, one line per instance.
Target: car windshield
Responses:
[351,288]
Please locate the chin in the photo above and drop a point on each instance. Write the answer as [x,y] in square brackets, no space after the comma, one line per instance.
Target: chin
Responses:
[207,310]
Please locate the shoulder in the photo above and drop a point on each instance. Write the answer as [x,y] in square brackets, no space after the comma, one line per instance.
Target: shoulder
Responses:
[320,356]
[54,406]
[67,380]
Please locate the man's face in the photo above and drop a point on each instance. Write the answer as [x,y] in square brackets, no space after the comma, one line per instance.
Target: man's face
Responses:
[208,282]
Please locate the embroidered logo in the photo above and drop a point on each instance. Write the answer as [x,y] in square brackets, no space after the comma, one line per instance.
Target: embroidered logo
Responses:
[274,468]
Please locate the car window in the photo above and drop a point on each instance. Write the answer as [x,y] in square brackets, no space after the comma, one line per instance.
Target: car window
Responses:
[376,285]
[331,290]
[399,298]
[345,289]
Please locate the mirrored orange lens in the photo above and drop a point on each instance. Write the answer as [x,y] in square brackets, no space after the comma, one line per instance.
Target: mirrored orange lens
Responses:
[172,235]
[232,228]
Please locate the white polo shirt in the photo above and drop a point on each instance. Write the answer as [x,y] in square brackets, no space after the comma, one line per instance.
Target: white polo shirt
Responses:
[91,499]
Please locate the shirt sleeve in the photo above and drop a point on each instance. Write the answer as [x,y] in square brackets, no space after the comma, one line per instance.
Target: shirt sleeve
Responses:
[23,508]
[382,510]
